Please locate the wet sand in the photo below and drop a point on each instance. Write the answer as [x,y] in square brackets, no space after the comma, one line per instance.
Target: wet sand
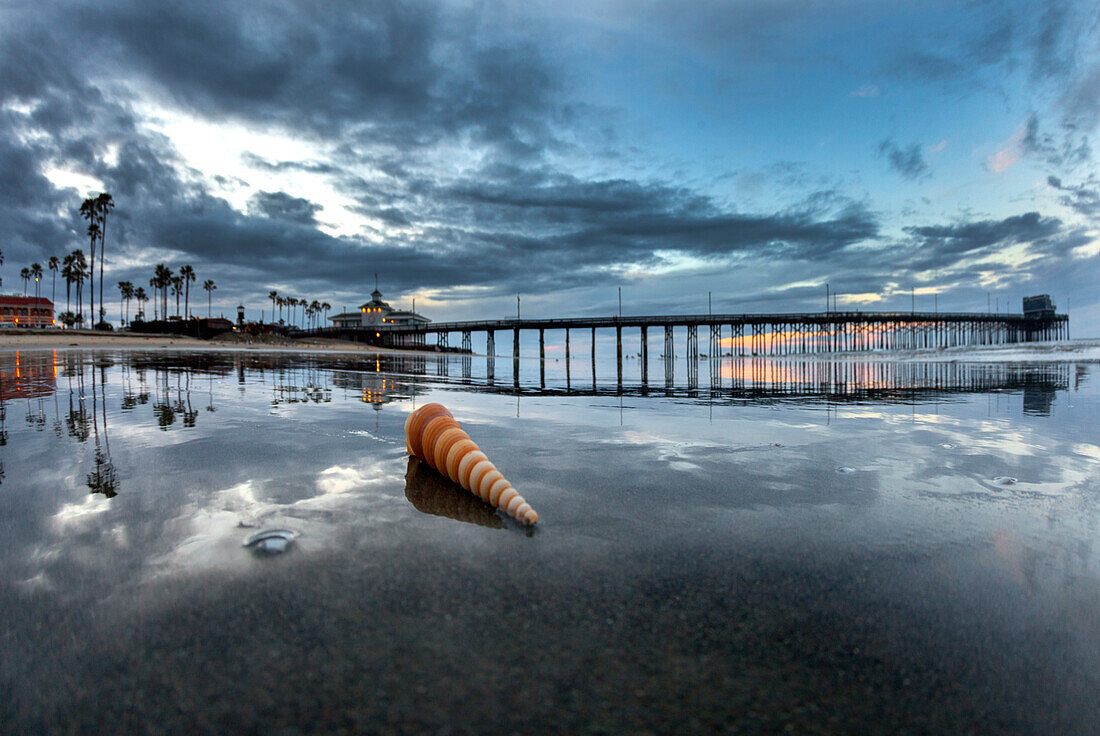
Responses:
[87,339]
[750,566]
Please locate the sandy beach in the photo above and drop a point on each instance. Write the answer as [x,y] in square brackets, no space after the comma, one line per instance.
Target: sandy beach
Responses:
[87,339]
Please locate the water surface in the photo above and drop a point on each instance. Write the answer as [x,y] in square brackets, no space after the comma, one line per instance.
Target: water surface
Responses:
[744,545]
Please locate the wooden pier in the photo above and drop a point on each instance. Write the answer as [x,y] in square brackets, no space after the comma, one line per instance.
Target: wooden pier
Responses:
[736,335]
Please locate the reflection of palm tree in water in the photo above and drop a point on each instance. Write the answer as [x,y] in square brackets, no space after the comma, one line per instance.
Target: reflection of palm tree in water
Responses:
[57,425]
[165,408]
[162,408]
[183,399]
[104,479]
[77,418]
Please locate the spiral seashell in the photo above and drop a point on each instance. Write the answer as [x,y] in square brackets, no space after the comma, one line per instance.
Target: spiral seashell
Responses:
[433,436]
[414,425]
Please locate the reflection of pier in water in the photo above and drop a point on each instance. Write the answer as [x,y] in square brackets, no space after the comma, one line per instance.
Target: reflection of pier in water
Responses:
[380,380]
[802,379]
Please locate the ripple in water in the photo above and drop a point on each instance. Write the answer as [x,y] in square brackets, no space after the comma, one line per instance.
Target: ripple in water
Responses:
[1004,480]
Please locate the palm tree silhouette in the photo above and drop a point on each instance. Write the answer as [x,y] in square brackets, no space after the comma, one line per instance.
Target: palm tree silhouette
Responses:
[54,264]
[80,272]
[67,274]
[139,295]
[188,275]
[325,306]
[103,204]
[177,289]
[126,293]
[153,285]
[162,278]
[89,212]
[25,274]
[272,295]
[209,285]
[104,479]
[36,274]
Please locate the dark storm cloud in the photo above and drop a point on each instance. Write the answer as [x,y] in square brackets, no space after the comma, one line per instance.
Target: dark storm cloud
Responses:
[908,161]
[404,73]
[969,237]
[282,206]
[560,233]
[942,245]
[384,74]
[618,221]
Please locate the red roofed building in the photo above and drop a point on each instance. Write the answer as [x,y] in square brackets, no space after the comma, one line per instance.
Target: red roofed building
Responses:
[25,311]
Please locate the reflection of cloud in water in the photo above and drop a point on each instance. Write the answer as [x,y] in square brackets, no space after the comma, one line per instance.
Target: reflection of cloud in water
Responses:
[75,514]
[345,498]
[1087,450]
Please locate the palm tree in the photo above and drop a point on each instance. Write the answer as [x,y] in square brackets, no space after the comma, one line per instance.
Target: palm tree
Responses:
[67,272]
[209,285]
[188,275]
[177,289]
[25,274]
[54,264]
[36,274]
[139,295]
[315,308]
[82,274]
[77,265]
[154,284]
[126,293]
[162,275]
[103,204]
[325,306]
[1,264]
[89,213]
[272,295]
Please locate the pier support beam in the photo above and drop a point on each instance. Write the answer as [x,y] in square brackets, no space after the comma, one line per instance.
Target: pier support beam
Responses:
[566,357]
[619,353]
[593,356]
[542,358]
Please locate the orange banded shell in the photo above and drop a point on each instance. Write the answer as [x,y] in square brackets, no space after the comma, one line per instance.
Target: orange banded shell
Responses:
[414,425]
[433,435]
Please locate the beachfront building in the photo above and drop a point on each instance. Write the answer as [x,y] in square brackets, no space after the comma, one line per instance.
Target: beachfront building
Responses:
[377,313]
[26,311]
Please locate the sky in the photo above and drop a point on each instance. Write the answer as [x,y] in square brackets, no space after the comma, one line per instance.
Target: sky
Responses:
[751,152]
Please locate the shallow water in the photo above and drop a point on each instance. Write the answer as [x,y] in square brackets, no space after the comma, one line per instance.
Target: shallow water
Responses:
[737,546]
